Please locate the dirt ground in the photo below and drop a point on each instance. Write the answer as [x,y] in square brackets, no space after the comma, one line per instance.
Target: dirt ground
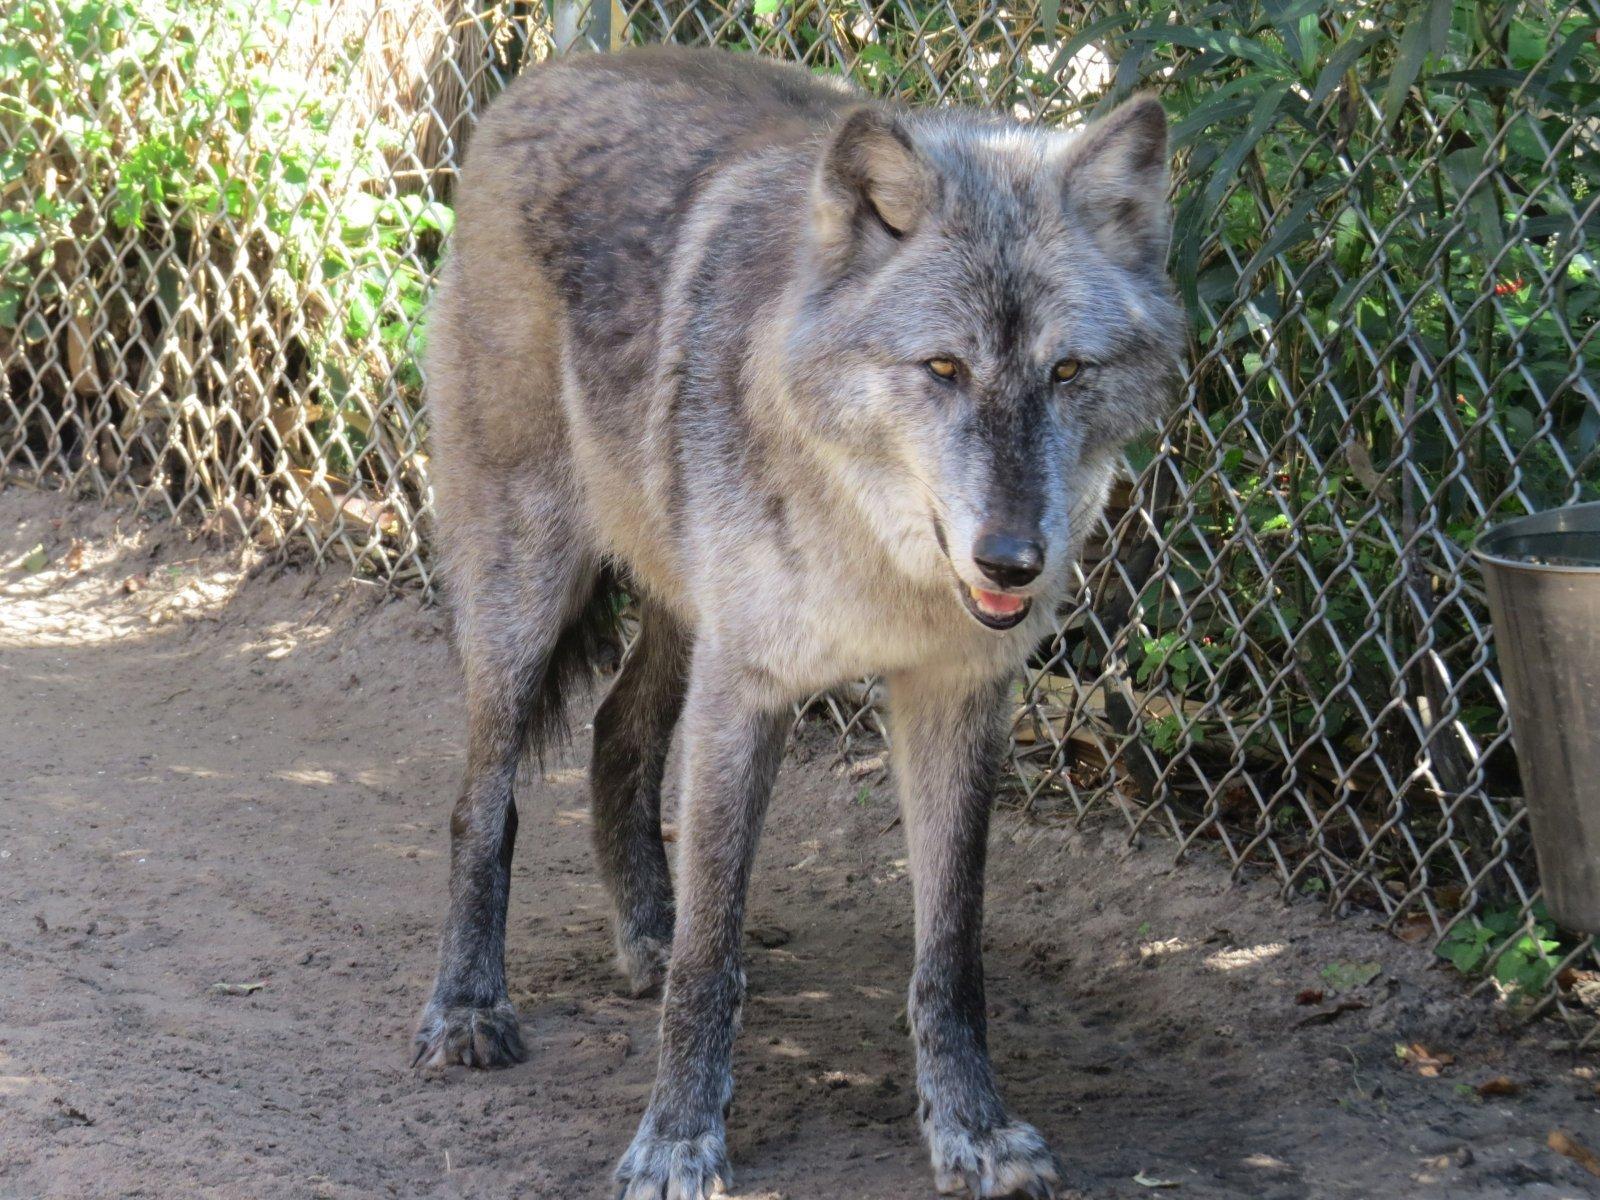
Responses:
[212,775]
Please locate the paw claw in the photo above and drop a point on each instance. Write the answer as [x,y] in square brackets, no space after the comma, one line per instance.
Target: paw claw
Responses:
[660,1169]
[472,1036]
[1009,1162]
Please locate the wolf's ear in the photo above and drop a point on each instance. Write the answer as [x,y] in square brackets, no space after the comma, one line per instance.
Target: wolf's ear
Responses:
[872,187]
[1115,181]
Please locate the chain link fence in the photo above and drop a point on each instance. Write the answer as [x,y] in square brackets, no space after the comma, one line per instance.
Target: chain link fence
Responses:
[221,218]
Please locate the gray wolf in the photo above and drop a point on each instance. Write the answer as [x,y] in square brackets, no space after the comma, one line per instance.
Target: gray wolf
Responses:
[831,388]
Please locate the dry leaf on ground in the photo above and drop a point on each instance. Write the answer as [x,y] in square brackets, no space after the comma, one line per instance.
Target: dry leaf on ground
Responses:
[1500,1085]
[1326,1016]
[1415,928]
[237,989]
[1150,1181]
[1427,1063]
[1564,1143]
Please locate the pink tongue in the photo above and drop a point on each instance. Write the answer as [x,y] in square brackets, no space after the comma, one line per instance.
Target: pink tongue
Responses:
[998,604]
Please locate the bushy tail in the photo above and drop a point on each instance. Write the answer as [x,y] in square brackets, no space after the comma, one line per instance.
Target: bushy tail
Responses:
[592,636]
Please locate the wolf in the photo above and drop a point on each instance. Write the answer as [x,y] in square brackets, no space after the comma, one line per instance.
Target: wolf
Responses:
[830,388]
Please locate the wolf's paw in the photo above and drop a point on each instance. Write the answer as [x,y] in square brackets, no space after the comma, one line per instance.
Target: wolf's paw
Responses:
[1010,1161]
[643,958]
[659,1169]
[473,1037]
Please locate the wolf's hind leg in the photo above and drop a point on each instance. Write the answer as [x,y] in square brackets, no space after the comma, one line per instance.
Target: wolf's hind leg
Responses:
[948,737]
[522,595]
[632,732]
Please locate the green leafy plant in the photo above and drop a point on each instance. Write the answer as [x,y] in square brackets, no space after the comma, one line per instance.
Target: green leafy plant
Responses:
[1522,953]
[225,229]
[1350,976]
[1385,251]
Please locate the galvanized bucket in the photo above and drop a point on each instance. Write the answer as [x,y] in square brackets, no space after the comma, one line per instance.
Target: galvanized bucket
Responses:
[1543,577]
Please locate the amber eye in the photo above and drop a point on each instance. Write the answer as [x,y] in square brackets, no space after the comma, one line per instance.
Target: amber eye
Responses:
[1067,370]
[944,368]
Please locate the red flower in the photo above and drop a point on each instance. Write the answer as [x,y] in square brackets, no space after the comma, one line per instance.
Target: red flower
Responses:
[1510,287]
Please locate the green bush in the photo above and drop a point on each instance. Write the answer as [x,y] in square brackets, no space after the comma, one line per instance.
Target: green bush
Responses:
[1523,953]
[1381,237]
[214,227]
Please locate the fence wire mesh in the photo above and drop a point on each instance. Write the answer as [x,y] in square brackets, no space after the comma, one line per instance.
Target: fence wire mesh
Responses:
[220,222]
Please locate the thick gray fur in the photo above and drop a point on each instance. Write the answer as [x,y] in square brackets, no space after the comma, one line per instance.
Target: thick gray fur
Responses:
[683,340]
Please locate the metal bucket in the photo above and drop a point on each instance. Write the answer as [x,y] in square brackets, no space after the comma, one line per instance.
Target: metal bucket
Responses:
[1543,577]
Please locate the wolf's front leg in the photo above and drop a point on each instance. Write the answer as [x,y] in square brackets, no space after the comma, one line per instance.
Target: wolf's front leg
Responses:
[732,742]
[948,737]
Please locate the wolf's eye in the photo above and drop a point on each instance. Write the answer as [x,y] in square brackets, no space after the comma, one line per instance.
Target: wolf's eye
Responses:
[1066,370]
[944,368]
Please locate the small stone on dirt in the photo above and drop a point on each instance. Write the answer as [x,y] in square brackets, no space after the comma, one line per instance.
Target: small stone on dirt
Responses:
[1327,1016]
[72,1113]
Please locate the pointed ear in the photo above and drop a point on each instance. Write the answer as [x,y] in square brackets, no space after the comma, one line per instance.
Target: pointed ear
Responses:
[872,187]
[1115,182]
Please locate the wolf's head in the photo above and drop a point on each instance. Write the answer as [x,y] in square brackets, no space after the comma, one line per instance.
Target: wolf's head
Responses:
[985,320]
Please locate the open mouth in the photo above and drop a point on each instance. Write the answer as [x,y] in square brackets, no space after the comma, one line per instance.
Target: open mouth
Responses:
[994,610]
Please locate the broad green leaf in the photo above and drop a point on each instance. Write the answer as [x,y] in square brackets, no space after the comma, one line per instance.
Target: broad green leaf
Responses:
[1342,60]
[1292,227]
[1542,79]
[1262,117]
[1418,40]
[1049,14]
[1088,34]
[1473,180]
[1230,45]
[1482,78]
[1347,976]
[1232,99]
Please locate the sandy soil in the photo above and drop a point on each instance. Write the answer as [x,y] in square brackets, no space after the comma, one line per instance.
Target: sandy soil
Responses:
[212,775]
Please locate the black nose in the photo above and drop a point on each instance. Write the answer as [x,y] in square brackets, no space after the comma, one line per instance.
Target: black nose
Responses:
[1009,561]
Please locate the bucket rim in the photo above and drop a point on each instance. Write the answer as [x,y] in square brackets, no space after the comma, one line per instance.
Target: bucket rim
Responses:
[1550,520]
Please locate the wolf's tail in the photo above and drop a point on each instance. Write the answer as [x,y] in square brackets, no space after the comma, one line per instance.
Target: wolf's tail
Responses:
[592,636]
